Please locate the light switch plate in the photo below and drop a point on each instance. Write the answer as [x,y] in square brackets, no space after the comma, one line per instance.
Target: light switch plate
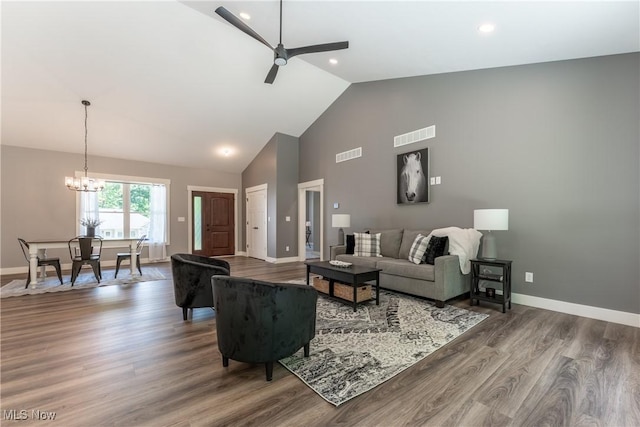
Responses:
[528,277]
[336,205]
[287,218]
[432,180]
[438,180]
[181,219]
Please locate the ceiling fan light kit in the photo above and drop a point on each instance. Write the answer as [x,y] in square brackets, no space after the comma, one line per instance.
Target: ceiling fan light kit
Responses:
[280,54]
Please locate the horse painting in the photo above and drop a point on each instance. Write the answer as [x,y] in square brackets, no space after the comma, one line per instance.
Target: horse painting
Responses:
[412,182]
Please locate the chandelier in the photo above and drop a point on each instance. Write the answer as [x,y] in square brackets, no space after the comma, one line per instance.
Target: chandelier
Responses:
[84,183]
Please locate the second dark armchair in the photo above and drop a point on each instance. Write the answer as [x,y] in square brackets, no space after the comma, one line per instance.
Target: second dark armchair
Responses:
[262,322]
[192,280]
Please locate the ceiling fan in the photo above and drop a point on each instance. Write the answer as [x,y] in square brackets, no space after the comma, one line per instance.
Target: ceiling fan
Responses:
[280,54]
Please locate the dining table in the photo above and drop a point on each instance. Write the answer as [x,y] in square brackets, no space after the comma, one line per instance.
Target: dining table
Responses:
[38,248]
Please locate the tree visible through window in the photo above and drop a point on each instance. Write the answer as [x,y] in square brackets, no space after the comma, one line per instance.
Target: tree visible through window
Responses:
[128,208]
[124,209]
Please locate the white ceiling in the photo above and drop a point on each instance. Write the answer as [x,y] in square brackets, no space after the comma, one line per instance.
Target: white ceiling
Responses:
[173,83]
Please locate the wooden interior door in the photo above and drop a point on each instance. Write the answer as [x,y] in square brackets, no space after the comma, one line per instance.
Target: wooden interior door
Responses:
[214,223]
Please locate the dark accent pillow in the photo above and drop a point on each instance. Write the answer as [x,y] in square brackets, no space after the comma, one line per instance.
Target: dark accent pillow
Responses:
[351,244]
[435,249]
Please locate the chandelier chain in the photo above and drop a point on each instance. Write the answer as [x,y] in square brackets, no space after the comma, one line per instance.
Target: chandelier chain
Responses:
[85,183]
[86,168]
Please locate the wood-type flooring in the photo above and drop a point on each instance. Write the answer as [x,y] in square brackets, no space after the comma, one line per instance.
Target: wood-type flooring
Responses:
[123,356]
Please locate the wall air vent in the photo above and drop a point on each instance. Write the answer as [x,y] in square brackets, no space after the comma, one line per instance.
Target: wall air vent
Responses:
[349,155]
[415,136]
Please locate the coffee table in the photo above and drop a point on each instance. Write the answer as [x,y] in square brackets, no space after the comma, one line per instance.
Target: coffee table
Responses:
[352,275]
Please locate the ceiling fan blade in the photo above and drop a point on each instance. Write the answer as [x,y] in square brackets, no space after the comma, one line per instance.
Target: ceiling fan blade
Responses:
[236,22]
[317,48]
[272,74]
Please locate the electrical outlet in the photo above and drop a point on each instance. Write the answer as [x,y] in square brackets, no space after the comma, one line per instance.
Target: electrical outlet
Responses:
[286,248]
[528,277]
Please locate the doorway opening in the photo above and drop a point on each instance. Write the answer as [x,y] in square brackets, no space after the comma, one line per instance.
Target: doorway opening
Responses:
[310,220]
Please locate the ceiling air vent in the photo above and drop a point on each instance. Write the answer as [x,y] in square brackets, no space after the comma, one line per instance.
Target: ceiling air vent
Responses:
[415,136]
[349,155]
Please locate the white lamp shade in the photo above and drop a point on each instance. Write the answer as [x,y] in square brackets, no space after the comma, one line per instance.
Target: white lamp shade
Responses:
[491,219]
[340,220]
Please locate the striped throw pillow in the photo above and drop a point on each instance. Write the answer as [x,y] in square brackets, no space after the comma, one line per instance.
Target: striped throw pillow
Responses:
[367,244]
[418,248]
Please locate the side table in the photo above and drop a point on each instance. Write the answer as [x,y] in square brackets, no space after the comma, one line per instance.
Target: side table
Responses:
[478,274]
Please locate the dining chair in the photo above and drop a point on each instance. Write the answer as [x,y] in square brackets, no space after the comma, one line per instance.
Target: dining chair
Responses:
[121,256]
[42,261]
[83,252]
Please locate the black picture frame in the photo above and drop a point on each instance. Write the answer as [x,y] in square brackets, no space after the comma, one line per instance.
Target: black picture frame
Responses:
[412,177]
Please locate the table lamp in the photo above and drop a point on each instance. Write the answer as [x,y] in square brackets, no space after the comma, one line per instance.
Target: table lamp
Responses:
[490,219]
[340,221]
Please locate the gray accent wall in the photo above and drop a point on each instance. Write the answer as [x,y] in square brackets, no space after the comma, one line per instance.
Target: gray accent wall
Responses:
[35,204]
[555,143]
[277,166]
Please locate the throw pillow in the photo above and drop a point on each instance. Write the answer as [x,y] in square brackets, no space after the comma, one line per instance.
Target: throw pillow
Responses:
[366,244]
[418,248]
[435,249]
[351,244]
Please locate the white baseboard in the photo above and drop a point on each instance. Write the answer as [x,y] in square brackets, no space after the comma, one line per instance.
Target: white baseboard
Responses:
[286,260]
[13,270]
[281,260]
[622,317]
[107,263]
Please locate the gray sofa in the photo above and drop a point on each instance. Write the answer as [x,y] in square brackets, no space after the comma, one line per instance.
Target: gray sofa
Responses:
[440,282]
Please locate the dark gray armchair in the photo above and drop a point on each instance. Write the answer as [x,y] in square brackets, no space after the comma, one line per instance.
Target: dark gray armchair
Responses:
[261,322]
[192,280]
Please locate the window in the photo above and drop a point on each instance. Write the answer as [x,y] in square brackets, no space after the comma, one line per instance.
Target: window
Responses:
[128,207]
[124,209]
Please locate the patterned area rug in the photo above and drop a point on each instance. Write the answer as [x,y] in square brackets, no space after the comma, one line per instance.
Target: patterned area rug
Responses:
[85,280]
[354,352]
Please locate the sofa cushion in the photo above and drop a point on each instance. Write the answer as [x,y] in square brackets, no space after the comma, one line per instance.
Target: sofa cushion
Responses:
[367,244]
[435,248]
[405,268]
[408,237]
[418,249]
[390,241]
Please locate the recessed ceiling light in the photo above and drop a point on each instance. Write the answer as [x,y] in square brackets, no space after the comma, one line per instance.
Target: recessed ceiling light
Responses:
[226,151]
[245,15]
[333,61]
[486,28]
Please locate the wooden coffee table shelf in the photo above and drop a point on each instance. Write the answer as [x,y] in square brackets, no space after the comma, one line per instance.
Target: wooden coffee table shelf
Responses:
[353,276]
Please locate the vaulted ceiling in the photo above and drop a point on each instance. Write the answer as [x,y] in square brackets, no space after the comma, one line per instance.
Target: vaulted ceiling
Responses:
[171,82]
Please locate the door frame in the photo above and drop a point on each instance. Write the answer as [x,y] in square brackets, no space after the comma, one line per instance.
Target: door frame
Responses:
[303,187]
[262,188]
[190,190]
